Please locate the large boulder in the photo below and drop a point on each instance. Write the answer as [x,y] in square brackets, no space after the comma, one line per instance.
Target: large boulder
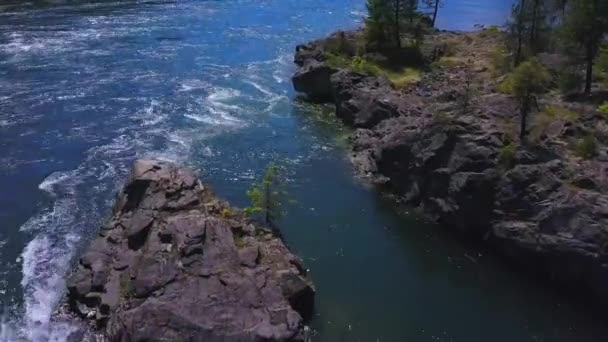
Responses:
[176,264]
[313,80]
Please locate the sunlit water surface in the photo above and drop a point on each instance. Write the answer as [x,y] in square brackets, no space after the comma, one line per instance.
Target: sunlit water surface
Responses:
[86,89]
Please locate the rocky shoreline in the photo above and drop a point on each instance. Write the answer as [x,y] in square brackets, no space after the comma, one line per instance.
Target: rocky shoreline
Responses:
[174,263]
[545,209]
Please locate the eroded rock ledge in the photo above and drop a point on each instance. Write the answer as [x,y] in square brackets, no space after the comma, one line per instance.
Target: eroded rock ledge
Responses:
[548,211]
[176,264]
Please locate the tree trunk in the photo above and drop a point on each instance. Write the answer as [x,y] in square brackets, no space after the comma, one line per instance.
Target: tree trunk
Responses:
[268,208]
[533,27]
[589,74]
[520,32]
[397,25]
[435,11]
[523,112]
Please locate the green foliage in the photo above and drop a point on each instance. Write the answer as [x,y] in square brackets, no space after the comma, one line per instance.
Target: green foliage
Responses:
[586,147]
[447,63]
[506,156]
[603,108]
[500,61]
[492,29]
[529,78]
[268,196]
[389,20]
[506,86]
[569,81]
[583,31]
[550,116]
[337,61]
[362,65]
[376,24]
[557,112]
[602,60]
[227,212]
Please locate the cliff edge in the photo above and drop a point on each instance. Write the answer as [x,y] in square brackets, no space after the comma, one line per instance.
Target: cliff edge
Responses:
[445,144]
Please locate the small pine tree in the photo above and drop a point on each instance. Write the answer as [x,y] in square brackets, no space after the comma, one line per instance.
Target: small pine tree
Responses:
[376,23]
[585,25]
[268,196]
[529,79]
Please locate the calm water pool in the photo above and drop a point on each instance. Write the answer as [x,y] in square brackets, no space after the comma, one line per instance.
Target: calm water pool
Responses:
[85,89]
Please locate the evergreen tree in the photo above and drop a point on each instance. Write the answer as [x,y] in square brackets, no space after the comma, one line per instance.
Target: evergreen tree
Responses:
[585,24]
[376,22]
[433,6]
[389,20]
[268,196]
[528,80]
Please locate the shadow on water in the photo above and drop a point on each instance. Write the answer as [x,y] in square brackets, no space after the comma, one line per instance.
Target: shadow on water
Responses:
[385,274]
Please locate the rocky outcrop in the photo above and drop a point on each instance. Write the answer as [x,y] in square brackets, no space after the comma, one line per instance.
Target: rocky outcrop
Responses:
[176,264]
[541,207]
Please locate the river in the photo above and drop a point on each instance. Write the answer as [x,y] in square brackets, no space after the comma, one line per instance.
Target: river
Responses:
[87,88]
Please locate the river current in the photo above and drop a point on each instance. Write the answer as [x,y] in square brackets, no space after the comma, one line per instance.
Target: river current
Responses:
[86,88]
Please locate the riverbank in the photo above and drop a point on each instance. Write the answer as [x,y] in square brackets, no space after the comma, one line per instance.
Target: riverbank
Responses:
[447,143]
[176,263]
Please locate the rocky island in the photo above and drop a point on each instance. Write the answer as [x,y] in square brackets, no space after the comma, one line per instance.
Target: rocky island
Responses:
[174,263]
[447,143]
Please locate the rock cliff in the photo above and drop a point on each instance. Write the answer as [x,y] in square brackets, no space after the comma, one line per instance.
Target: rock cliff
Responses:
[176,264]
[538,203]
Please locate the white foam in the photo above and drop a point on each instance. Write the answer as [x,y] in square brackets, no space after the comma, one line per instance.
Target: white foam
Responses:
[262,89]
[45,263]
[51,180]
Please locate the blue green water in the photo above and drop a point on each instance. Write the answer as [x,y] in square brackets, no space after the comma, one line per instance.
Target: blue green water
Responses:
[87,88]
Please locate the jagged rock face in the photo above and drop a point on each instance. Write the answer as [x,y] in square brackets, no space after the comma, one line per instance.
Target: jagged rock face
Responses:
[175,264]
[549,212]
[313,79]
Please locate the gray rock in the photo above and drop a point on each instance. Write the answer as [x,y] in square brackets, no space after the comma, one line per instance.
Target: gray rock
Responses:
[547,212]
[180,276]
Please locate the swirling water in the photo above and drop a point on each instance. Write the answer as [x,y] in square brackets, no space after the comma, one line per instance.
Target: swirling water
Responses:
[86,88]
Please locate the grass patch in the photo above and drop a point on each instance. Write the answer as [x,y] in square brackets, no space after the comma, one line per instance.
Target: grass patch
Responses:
[551,115]
[447,62]
[586,147]
[400,78]
[490,31]
[336,61]
[404,78]
[603,108]
[506,86]
[506,156]
[500,62]
[557,112]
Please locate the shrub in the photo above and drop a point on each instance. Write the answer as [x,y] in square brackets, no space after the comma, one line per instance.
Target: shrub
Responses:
[602,60]
[446,63]
[268,196]
[227,212]
[569,82]
[336,61]
[603,108]
[506,86]
[404,78]
[500,61]
[362,65]
[506,156]
[586,147]
[558,112]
